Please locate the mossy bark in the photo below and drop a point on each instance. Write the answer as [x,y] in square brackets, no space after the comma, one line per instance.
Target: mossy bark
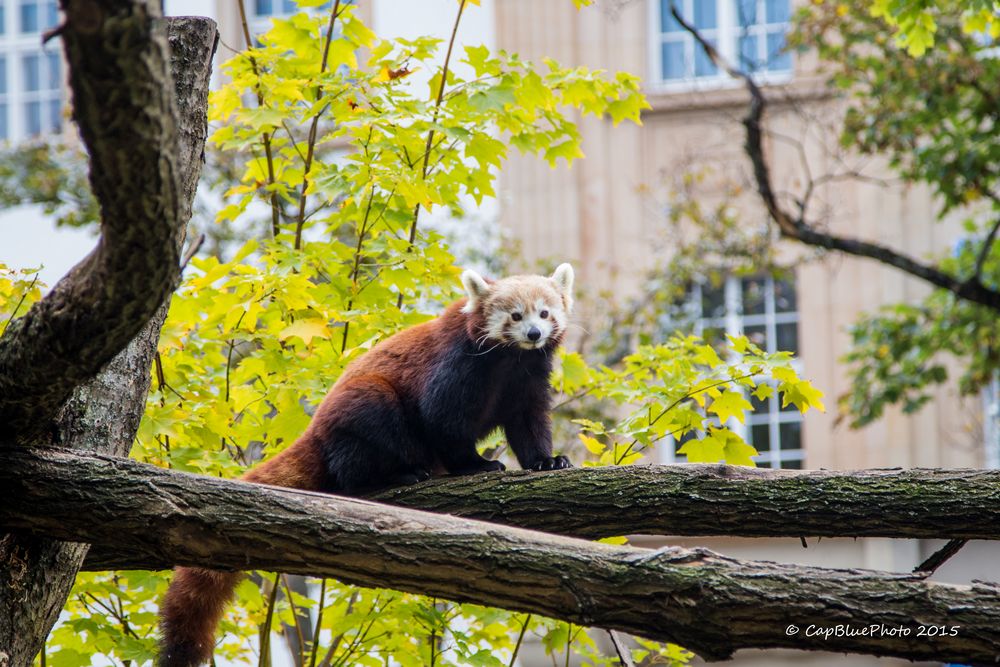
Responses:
[105,316]
[709,603]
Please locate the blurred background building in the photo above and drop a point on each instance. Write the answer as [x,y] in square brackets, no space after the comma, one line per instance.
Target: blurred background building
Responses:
[608,214]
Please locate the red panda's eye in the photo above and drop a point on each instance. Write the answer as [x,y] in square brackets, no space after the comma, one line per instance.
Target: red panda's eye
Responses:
[516,317]
[544,314]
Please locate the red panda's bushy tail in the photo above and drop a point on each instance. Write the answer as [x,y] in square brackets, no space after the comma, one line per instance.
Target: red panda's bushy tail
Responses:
[190,613]
[197,597]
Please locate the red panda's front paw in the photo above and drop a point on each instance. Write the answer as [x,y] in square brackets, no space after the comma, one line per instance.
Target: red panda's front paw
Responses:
[552,463]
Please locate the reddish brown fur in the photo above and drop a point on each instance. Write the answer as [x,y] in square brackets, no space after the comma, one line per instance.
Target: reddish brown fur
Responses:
[397,373]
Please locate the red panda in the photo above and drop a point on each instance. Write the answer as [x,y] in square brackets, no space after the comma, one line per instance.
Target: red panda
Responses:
[415,404]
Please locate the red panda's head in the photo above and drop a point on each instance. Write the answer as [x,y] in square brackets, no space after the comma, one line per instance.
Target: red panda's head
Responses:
[530,312]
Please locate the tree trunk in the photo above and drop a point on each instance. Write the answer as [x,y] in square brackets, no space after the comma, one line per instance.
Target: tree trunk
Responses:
[103,414]
[711,604]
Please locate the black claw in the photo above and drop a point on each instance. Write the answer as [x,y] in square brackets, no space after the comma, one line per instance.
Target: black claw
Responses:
[552,463]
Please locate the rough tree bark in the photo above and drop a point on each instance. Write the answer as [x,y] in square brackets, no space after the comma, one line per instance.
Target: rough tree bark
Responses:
[711,604]
[685,499]
[145,163]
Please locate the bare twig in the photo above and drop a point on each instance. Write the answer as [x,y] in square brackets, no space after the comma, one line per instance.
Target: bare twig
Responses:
[192,250]
[624,654]
[796,227]
[939,558]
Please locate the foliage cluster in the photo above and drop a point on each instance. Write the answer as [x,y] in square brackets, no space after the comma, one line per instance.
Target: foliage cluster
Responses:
[934,118]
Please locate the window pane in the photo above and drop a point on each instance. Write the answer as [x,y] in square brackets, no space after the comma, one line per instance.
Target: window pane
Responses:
[55,115]
[760,437]
[3,20]
[29,16]
[753,296]
[673,60]
[778,59]
[704,14]
[784,297]
[714,336]
[32,75]
[713,301]
[667,21]
[3,75]
[51,14]
[787,337]
[289,6]
[757,335]
[790,434]
[777,10]
[54,67]
[3,121]
[263,7]
[794,464]
[748,52]
[746,12]
[760,407]
[703,65]
[33,118]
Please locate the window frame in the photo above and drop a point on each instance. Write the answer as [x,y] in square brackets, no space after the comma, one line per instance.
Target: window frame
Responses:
[734,321]
[15,46]
[727,44]
[991,423]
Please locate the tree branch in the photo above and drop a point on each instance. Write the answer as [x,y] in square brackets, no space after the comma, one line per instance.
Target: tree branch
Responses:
[661,500]
[711,604]
[123,101]
[796,227]
[103,413]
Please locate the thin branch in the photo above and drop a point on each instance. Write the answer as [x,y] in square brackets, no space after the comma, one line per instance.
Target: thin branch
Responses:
[311,145]
[430,132]
[939,558]
[987,243]
[520,638]
[265,136]
[795,227]
[265,631]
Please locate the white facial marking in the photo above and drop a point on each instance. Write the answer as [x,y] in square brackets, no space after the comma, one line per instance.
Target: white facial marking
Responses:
[526,311]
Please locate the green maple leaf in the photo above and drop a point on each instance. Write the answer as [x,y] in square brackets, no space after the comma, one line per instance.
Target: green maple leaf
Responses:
[730,404]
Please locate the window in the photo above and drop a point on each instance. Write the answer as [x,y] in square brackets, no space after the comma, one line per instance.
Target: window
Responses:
[748,32]
[991,423]
[38,15]
[41,83]
[764,309]
[4,123]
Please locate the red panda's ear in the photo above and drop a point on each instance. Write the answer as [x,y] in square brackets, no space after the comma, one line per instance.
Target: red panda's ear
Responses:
[475,288]
[563,278]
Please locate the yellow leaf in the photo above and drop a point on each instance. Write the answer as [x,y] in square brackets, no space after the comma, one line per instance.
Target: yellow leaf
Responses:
[593,445]
[306,329]
[730,404]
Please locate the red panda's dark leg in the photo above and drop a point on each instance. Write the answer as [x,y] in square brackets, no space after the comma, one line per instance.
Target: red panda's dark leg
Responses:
[528,428]
[366,441]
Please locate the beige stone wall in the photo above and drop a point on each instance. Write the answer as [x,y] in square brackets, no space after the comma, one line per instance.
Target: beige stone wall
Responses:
[606,214]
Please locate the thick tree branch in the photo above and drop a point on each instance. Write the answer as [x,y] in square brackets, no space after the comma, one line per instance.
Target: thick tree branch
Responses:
[708,603]
[123,101]
[796,227]
[658,500]
[103,413]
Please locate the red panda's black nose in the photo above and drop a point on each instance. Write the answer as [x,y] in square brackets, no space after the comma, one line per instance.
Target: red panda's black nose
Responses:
[534,334]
